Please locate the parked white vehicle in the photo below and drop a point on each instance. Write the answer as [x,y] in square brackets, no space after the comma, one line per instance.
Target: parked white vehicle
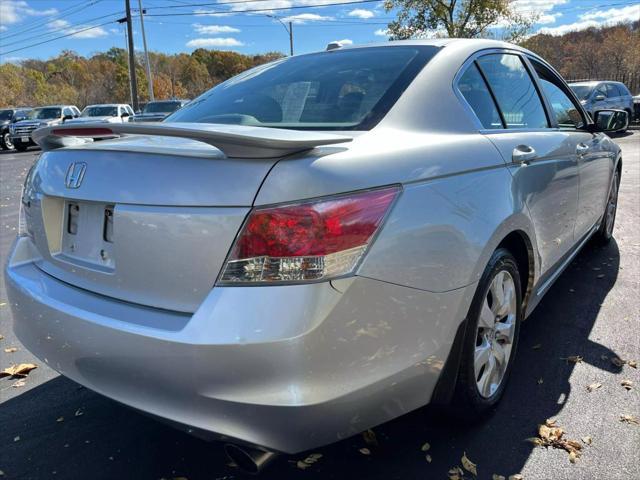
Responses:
[108,113]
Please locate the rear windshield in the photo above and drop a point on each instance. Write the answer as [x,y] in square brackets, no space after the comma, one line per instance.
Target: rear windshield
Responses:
[104,111]
[161,107]
[581,91]
[337,90]
[45,113]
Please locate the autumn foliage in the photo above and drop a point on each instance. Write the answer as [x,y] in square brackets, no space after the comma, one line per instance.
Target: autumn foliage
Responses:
[104,78]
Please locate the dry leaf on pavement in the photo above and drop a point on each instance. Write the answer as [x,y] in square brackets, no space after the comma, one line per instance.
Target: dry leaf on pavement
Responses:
[19,370]
[573,457]
[310,460]
[426,447]
[60,419]
[428,458]
[11,350]
[370,438]
[495,476]
[456,473]
[79,412]
[516,476]
[18,384]
[573,359]
[550,435]
[594,386]
[365,451]
[537,346]
[1,337]
[587,440]
[629,419]
[628,384]
[631,363]
[468,465]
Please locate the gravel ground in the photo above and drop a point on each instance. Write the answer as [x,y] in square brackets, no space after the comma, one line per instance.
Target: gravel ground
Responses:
[53,428]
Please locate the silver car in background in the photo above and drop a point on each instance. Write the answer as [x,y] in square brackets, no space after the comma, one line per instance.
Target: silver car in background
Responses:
[315,246]
[596,96]
[157,111]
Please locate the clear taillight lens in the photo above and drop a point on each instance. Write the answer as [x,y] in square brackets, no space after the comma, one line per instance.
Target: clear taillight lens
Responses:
[310,241]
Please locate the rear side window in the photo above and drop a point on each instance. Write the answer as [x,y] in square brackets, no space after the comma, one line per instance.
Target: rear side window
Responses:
[514,91]
[601,90]
[475,91]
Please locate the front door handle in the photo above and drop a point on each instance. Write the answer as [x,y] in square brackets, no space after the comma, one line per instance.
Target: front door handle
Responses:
[582,149]
[523,154]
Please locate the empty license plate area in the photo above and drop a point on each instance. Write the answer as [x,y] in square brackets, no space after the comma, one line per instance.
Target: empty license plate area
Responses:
[88,235]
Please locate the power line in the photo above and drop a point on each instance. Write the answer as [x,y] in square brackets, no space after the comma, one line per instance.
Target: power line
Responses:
[235,12]
[57,38]
[62,29]
[62,13]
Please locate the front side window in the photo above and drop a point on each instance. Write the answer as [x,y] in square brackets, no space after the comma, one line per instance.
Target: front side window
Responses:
[336,90]
[475,91]
[565,111]
[601,90]
[514,91]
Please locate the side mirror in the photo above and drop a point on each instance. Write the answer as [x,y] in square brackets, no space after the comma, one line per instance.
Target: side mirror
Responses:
[124,114]
[599,98]
[611,120]
[67,117]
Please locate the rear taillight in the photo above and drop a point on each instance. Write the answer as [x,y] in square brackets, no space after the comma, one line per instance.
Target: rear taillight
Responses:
[309,241]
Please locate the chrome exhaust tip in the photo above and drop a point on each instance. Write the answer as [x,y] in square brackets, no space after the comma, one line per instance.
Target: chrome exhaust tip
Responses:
[249,460]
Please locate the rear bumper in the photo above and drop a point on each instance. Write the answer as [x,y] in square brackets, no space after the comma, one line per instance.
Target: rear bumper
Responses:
[286,368]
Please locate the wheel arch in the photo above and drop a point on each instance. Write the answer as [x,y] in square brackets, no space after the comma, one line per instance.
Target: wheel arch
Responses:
[519,245]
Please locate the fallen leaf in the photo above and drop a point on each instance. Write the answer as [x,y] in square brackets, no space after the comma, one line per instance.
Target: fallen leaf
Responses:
[573,457]
[601,275]
[19,370]
[618,362]
[550,422]
[468,465]
[604,357]
[631,363]
[3,304]
[16,439]
[79,412]
[456,473]
[426,447]
[1,337]
[302,465]
[60,419]
[573,359]
[587,440]
[370,438]
[537,346]
[18,384]
[365,451]
[428,458]
[11,350]
[540,381]
[628,384]
[534,440]
[310,460]
[516,476]
[594,386]
[495,476]
[629,419]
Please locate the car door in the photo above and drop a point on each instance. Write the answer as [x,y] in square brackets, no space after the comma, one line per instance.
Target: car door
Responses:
[542,159]
[599,99]
[614,95]
[594,163]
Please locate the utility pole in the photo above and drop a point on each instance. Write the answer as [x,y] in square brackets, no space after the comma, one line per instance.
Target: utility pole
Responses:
[291,38]
[132,58]
[146,52]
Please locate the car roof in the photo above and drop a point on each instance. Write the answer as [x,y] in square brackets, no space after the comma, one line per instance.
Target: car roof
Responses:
[107,105]
[57,106]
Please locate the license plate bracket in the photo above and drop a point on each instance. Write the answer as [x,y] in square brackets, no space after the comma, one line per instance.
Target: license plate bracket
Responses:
[25,139]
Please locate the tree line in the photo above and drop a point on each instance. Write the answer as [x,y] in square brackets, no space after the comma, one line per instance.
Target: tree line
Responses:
[104,77]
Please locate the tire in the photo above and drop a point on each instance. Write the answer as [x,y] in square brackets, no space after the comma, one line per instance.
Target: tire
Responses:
[605,232]
[21,147]
[5,141]
[480,384]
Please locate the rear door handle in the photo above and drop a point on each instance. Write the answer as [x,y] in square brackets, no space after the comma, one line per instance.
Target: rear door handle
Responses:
[523,154]
[582,149]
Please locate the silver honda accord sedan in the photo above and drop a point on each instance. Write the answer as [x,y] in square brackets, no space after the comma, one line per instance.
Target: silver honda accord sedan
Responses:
[315,246]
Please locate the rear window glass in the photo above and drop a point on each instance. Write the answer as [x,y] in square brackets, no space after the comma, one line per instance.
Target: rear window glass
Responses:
[161,107]
[338,90]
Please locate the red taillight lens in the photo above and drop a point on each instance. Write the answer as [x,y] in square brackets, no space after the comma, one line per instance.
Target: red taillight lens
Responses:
[307,241]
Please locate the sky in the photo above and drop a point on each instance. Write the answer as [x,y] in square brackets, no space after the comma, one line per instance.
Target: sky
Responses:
[43,28]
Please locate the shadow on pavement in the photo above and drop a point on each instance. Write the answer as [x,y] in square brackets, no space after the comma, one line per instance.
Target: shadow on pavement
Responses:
[111,441]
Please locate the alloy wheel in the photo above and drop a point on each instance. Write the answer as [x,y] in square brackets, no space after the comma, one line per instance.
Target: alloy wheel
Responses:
[612,206]
[6,140]
[495,333]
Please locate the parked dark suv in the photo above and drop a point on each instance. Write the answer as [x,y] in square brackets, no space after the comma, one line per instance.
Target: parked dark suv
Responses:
[7,117]
[40,117]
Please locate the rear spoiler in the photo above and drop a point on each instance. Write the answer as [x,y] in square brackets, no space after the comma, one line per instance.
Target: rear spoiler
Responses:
[233,140]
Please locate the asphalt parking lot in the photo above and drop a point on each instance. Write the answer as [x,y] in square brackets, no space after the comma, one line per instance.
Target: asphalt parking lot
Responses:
[53,428]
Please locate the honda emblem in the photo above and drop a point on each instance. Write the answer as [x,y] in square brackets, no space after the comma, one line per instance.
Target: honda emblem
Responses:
[75,174]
